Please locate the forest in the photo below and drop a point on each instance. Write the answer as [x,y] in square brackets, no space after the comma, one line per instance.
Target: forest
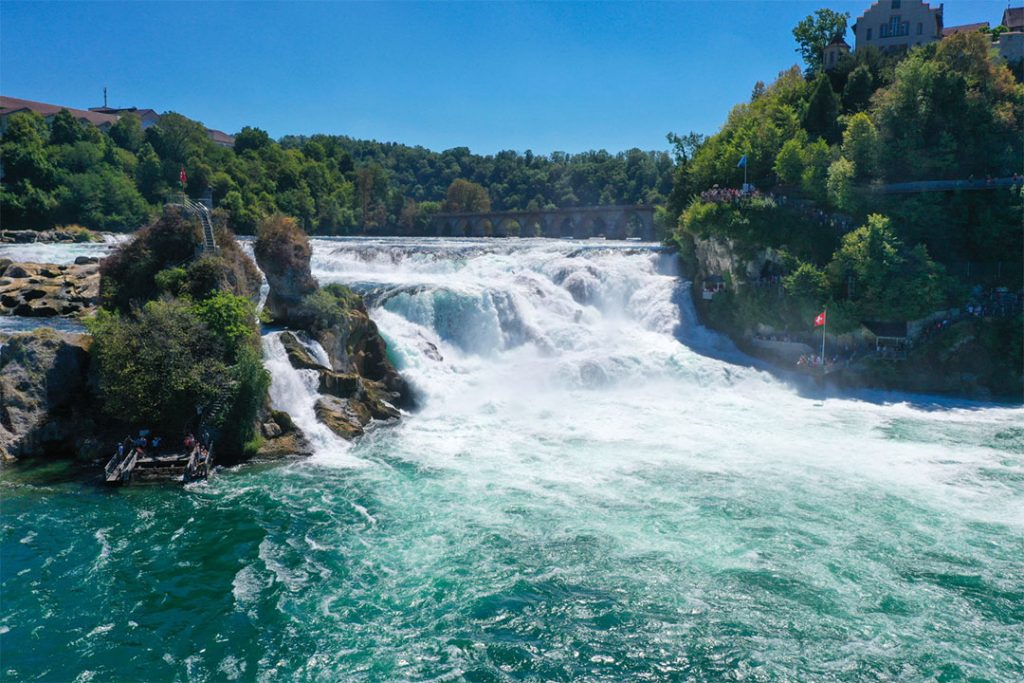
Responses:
[820,147]
[69,173]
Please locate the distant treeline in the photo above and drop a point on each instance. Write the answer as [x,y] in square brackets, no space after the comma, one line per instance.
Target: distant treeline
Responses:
[68,172]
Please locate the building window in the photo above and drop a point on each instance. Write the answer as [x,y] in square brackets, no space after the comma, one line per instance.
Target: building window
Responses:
[894,28]
[920,28]
[869,34]
[895,4]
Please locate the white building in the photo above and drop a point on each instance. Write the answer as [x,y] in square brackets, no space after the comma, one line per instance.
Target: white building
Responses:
[898,24]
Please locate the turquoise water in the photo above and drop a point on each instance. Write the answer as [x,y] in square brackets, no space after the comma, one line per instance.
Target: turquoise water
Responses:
[581,497]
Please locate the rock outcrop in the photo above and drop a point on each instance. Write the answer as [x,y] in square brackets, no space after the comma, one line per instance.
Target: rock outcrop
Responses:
[358,383]
[281,438]
[349,401]
[718,256]
[44,393]
[69,234]
[283,253]
[48,290]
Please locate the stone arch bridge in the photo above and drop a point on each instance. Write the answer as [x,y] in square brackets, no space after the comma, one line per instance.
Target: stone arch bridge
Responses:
[581,222]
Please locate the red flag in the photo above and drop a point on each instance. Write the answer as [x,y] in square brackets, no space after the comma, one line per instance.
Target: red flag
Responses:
[183,177]
[820,320]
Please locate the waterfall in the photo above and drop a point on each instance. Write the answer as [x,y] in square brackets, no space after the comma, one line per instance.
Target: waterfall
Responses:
[295,392]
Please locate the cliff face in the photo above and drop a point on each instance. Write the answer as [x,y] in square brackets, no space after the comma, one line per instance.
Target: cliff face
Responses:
[718,256]
[44,394]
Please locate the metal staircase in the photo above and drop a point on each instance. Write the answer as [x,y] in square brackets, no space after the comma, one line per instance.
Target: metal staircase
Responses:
[202,212]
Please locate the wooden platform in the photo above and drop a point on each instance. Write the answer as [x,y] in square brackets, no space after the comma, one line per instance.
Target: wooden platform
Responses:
[166,465]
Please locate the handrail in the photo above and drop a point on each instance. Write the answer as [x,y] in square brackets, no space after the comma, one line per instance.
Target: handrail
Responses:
[202,212]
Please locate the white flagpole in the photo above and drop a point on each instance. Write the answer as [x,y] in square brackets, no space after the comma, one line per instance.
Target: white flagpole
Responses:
[824,323]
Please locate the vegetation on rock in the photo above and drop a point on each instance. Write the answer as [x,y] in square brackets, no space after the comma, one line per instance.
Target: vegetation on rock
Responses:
[178,335]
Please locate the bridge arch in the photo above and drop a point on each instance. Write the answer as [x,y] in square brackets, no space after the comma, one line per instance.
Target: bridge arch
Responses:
[618,227]
[561,226]
[530,226]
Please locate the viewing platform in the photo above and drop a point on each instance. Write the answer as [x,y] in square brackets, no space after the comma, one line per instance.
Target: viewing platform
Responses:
[141,465]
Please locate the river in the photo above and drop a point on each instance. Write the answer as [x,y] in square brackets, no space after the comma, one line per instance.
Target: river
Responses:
[593,488]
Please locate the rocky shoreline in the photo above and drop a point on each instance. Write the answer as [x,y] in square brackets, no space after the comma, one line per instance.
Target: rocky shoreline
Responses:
[68,235]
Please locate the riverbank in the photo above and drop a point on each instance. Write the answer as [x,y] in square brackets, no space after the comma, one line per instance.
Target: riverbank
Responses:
[975,358]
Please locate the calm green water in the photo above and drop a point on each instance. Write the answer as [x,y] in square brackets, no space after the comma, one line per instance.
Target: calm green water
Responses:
[598,502]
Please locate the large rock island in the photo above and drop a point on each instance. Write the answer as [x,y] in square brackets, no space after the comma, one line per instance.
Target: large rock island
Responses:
[359,384]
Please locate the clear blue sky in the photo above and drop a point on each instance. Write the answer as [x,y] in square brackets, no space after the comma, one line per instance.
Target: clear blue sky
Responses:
[490,76]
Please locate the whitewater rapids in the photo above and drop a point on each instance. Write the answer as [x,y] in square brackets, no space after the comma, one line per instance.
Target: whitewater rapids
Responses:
[594,488]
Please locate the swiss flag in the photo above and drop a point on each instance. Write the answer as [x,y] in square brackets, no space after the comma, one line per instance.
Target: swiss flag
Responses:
[820,320]
[182,177]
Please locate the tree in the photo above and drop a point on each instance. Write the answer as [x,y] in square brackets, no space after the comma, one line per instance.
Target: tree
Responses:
[178,141]
[951,113]
[859,87]
[149,174]
[817,156]
[839,185]
[64,129]
[104,199]
[807,283]
[467,196]
[231,319]
[127,133]
[889,281]
[251,138]
[156,366]
[822,110]
[789,164]
[815,32]
[409,217]
[371,183]
[860,145]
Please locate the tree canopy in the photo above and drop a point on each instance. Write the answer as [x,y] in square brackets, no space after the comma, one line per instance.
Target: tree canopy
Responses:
[819,145]
[815,32]
[331,184]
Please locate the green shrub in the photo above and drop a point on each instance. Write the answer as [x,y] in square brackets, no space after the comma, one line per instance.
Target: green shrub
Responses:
[171,280]
[250,383]
[231,319]
[156,365]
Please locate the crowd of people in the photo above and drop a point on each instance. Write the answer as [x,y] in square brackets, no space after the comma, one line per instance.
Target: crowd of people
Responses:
[995,303]
[732,195]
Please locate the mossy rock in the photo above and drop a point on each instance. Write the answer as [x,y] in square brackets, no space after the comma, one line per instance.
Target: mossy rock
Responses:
[298,356]
[344,417]
[340,384]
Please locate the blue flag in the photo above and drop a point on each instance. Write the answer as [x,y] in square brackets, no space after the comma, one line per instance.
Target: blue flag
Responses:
[743,162]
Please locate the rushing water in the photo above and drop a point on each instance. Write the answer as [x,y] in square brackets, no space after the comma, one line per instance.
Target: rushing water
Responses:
[585,493]
[60,253]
